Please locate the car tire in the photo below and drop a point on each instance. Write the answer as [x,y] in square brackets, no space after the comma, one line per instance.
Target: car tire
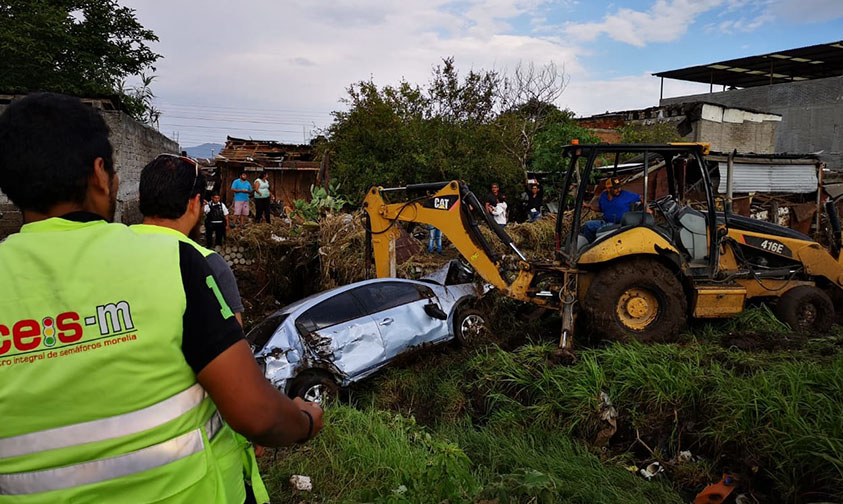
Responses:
[469,326]
[638,299]
[806,309]
[315,387]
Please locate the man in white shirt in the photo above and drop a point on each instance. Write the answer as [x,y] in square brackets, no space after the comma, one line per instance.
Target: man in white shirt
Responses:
[216,220]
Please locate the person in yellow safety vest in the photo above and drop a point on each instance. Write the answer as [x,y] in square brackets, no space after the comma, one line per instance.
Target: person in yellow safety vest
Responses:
[120,362]
[170,199]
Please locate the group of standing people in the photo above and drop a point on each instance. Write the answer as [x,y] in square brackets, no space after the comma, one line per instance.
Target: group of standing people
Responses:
[261,193]
[495,205]
[216,213]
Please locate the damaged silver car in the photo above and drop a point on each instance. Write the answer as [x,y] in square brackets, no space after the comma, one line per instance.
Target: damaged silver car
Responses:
[329,340]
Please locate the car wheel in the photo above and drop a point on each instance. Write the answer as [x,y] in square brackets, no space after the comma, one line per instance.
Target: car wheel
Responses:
[315,387]
[638,299]
[806,309]
[469,326]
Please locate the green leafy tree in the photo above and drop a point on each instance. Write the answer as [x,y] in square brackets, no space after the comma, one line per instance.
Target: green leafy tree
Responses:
[648,134]
[559,130]
[404,134]
[79,47]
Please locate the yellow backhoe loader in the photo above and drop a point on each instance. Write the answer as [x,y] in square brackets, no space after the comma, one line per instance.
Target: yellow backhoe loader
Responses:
[668,259]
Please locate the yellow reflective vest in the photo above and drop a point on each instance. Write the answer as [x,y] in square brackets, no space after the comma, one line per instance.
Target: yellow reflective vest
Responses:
[98,403]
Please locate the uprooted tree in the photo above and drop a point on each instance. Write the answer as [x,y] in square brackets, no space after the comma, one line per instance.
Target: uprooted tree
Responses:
[78,47]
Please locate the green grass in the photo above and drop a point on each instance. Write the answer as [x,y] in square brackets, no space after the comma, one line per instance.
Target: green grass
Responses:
[464,425]
[369,455]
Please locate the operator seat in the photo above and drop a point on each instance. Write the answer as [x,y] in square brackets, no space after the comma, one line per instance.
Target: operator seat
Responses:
[629,219]
[693,233]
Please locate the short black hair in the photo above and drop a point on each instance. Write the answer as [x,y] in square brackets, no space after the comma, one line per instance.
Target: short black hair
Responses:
[48,145]
[167,183]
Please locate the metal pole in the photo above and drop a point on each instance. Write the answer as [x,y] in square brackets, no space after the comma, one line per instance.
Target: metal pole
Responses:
[730,174]
[646,178]
[661,91]
[819,197]
[711,83]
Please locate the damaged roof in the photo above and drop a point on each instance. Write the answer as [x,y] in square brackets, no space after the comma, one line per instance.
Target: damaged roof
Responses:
[267,154]
[800,64]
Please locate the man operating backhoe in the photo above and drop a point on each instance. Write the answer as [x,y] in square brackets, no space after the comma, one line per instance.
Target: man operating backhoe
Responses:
[613,203]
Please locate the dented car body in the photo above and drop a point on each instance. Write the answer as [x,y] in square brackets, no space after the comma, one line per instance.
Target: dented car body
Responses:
[349,332]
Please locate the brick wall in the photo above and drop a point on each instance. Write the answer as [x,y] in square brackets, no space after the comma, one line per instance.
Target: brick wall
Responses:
[134,146]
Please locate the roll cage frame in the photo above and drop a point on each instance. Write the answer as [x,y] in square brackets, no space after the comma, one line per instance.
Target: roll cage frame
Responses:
[566,246]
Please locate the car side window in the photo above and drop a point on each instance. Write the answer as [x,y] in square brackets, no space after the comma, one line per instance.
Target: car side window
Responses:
[261,333]
[340,308]
[382,296]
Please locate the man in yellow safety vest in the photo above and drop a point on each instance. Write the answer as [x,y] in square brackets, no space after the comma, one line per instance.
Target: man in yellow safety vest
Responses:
[123,372]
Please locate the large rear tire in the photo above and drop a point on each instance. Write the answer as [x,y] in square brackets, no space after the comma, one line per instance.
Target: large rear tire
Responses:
[806,309]
[637,299]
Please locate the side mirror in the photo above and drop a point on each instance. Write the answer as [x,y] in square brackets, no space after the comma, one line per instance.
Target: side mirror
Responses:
[434,311]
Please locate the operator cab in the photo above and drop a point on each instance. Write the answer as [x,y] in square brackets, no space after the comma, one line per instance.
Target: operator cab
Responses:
[673,201]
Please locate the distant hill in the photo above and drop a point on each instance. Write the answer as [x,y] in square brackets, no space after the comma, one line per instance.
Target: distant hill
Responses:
[204,150]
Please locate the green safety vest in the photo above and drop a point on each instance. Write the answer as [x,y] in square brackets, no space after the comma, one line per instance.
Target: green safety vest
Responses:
[98,403]
[245,455]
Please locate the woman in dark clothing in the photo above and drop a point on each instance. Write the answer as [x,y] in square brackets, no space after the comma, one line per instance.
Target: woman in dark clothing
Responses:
[534,203]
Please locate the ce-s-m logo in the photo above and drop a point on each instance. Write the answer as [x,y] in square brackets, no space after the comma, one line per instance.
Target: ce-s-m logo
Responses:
[28,334]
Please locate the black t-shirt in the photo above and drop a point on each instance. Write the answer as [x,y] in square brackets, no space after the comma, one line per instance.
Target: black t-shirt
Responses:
[535,201]
[206,333]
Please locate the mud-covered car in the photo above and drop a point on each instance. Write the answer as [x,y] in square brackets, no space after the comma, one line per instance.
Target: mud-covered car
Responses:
[337,337]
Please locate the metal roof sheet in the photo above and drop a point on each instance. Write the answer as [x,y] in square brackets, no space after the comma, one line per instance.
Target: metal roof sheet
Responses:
[769,178]
[803,63]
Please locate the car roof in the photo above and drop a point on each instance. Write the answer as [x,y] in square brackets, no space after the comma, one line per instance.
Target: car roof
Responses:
[319,296]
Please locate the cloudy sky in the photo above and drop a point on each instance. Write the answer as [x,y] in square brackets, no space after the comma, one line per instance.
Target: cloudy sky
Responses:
[269,69]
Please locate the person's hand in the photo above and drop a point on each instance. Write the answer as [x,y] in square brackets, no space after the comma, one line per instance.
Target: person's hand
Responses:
[259,451]
[315,412]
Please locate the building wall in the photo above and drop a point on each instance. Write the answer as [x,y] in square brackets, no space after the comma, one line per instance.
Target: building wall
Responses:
[728,129]
[812,114]
[724,128]
[134,146]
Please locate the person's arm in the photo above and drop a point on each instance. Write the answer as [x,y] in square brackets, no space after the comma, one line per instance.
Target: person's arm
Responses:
[227,284]
[251,405]
[594,204]
[214,347]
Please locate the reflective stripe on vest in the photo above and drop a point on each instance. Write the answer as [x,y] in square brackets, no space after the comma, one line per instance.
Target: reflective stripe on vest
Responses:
[104,469]
[105,428]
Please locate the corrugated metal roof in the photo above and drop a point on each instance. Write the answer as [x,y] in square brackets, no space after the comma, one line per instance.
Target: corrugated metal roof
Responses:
[770,178]
[799,64]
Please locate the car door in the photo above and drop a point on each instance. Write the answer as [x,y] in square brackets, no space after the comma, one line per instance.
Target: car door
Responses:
[339,330]
[398,308]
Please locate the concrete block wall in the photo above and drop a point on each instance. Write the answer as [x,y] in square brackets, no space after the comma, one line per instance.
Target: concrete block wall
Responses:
[812,114]
[134,146]
[728,129]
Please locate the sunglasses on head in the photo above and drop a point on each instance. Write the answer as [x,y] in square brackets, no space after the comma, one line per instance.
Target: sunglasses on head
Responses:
[187,159]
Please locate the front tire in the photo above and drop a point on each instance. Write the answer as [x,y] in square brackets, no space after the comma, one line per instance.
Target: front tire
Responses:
[806,309]
[637,299]
[315,387]
[469,326]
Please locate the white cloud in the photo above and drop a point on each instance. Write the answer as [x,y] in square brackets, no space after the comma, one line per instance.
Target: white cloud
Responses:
[597,96]
[299,56]
[665,21]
